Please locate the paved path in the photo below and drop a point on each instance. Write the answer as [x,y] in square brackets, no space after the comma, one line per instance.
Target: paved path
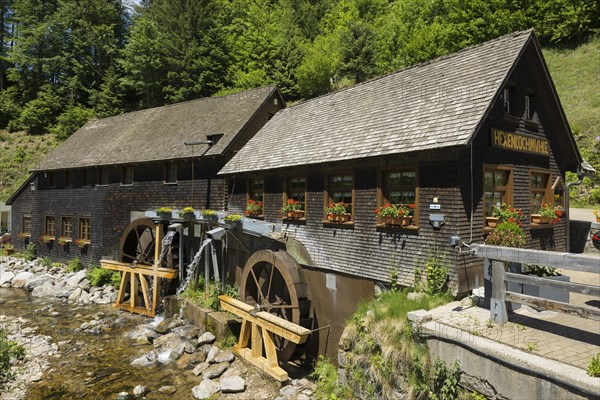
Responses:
[582,214]
[561,337]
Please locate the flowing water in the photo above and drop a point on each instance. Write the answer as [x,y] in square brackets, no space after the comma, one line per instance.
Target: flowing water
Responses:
[191,269]
[166,244]
[91,366]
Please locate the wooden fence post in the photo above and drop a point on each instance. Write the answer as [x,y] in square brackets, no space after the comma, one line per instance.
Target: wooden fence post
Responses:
[498,309]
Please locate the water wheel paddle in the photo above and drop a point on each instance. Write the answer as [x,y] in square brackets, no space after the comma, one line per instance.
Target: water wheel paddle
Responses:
[138,242]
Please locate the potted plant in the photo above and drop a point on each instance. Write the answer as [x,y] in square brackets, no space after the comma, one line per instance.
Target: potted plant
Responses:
[337,212]
[188,213]
[597,215]
[209,215]
[547,214]
[395,214]
[46,238]
[8,249]
[254,208]
[164,213]
[63,240]
[507,234]
[233,220]
[292,209]
[81,243]
[504,212]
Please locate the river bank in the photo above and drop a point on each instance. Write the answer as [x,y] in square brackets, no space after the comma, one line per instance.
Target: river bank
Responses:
[78,347]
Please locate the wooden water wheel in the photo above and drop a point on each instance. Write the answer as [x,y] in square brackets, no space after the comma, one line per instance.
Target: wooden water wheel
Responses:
[274,282]
[138,242]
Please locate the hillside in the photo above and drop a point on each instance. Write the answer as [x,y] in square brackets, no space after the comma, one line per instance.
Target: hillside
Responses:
[18,153]
[575,71]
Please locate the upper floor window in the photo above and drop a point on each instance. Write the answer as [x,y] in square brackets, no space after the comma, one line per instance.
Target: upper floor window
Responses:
[84,228]
[508,100]
[256,189]
[497,188]
[296,192]
[170,173]
[127,175]
[27,224]
[51,179]
[68,178]
[104,176]
[85,177]
[399,188]
[50,226]
[340,189]
[67,227]
[539,190]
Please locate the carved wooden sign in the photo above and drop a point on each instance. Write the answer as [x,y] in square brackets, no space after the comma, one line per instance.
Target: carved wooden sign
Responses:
[520,142]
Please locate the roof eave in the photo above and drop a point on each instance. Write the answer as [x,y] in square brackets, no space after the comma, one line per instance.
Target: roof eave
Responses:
[17,192]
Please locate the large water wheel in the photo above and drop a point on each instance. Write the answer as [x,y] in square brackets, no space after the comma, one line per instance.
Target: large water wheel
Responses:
[274,282]
[138,242]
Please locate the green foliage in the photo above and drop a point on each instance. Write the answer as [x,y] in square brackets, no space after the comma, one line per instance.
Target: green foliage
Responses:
[394,286]
[75,265]
[508,234]
[436,273]
[325,376]
[445,381]
[115,279]
[8,350]
[197,294]
[39,113]
[46,262]
[541,270]
[70,120]
[593,369]
[29,253]
[101,276]
[227,342]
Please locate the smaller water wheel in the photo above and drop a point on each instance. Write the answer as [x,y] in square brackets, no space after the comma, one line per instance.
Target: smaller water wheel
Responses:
[138,242]
[274,282]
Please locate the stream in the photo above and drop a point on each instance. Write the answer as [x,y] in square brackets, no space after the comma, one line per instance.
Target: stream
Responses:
[90,365]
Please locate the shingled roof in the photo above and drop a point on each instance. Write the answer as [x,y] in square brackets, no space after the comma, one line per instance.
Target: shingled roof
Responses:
[157,133]
[432,105]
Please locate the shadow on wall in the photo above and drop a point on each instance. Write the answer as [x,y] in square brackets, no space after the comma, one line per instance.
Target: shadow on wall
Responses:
[580,235]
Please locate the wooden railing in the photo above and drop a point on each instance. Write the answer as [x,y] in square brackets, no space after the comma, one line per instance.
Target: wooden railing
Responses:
[499,257]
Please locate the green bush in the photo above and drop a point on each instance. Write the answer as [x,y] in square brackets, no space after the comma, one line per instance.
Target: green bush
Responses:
[8,350]
[46,262]
[115,279]
[74,265]
[40,113]
[29,253]
[507,234]
[594,367]
[100,276]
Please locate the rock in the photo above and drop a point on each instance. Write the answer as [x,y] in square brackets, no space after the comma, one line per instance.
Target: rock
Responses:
[215,370]
[65,292]
[38,281]
[6,277]
[142,340]
[288,391]
[122,396]
[108,289]
[189,347]
[214,351]
[139,391]
[237,367]
[188,332]
[167,389]
[232,384]
[145,360]
[84,297]
[21,279]
[75,279]
[415,295]
[224,356]
[35,378]
[305,383]
[170,340]
[46,290]
[75,295]
[419,316]
[171,354]
[191,360]
[206,338]
[167,325]
[302,396]
[200,368]
[205,389]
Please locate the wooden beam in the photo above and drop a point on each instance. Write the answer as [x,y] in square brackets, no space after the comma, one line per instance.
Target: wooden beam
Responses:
[140,269]
[262,363]
[567,261]
[581,311]
[498,309]
[144,285]
[545,282]
[136,310]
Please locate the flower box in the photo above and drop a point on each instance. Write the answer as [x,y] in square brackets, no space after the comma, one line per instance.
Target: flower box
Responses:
[46,238]
[295,214]
[397,221]
[339,218]
[81,243]
[63,241]
[540,219]
[492,222]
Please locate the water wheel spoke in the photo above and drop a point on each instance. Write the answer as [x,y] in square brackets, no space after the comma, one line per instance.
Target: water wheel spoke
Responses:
[286,306]
[270,281]
[259,291]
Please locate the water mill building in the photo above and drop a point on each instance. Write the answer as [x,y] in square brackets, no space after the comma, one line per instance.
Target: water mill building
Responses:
[448,139]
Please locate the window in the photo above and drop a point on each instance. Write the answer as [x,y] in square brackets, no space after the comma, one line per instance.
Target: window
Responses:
[539,190]
[127,175]
[399,187]
[51,179]
[508,101]
[84,228]
[67,227]
[104,176]
[256,189]
[296,190]
[50,226]
[558,188]
[340,188]
[68,178]
[27,224]
[170,173]
[529,110]
[85,177]
[497,188]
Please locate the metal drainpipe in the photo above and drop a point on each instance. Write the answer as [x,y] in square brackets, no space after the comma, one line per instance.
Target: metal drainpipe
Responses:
[568,210]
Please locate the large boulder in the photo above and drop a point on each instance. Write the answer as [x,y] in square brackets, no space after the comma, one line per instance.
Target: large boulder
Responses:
[38,281]
[232,384]
[46,290]
[215,370]
[167,325]
[205,389]
[74,280]
[146,360]
[206,338]
[75,295]
[6,277]
[21,279]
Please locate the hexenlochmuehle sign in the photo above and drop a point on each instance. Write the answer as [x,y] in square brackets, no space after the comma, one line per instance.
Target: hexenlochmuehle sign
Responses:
[520,142]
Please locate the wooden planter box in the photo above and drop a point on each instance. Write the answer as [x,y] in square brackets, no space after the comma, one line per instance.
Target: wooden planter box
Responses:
[295,214]
[492,222]
[397,221]
[539,219]
[340,218]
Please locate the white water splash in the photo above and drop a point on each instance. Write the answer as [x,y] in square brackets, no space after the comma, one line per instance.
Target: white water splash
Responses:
[157,320]
[166,244]
[193,266]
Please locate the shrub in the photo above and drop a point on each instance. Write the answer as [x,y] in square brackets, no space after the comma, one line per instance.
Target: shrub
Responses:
[115,279]
[74,265]
[100,276]
[46,262]
[507,234]
[29,253]
[8,350]
[593,369]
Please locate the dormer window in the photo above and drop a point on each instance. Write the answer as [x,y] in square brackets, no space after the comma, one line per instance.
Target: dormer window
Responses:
[529,110]
[507,94]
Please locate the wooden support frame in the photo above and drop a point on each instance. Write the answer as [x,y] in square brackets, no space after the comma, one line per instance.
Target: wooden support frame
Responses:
[257,336]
